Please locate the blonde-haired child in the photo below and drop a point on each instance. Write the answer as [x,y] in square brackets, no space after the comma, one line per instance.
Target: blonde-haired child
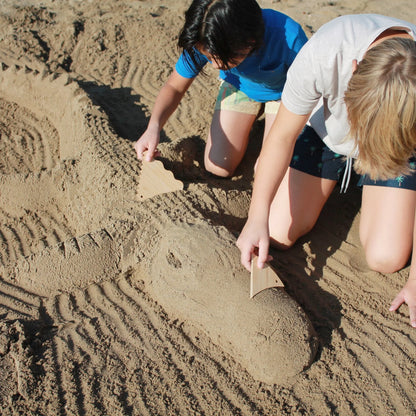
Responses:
[350,95]
[381,104]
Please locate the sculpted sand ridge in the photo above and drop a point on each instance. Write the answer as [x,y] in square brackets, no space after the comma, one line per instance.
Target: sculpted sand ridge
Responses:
[58,168]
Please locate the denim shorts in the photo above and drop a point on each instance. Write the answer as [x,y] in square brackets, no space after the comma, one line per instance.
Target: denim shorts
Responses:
[311,155]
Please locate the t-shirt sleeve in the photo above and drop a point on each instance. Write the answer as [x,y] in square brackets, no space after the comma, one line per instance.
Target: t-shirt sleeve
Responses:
[299,40]
[187,68]
[302,92]
[281,27]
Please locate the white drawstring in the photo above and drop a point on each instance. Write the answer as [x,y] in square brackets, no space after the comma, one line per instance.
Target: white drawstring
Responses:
[347,175]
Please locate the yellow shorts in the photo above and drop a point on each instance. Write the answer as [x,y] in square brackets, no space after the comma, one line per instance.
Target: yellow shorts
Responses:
[231,98]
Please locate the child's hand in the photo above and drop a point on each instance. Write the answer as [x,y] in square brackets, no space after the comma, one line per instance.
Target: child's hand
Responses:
[147,144]
[254,238]
[407,295]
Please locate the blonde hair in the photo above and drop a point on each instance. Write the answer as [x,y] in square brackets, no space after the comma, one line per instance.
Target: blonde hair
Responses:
[381,104]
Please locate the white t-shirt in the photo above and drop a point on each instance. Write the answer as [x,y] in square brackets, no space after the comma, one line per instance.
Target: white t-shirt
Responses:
[319,75]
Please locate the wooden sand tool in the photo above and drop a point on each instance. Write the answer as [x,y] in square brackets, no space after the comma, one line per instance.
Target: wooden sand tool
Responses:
[264,278]
[155,179]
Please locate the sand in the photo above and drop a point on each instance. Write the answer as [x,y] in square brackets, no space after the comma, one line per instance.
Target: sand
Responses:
[115,304]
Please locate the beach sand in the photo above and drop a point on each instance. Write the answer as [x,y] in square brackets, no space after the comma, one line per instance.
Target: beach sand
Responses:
[113,304]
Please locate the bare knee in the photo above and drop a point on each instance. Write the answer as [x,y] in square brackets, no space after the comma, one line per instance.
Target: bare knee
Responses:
[386,261]
[281,245]
[221,170]
[284,240]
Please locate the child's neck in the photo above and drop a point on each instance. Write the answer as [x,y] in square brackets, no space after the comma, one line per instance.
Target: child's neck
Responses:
[391,33]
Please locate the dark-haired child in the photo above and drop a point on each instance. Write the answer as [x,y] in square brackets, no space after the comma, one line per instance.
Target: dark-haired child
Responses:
[253,49]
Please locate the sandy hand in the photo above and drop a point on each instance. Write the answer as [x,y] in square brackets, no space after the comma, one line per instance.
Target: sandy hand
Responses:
[146,146]
[407,295]
[254,239]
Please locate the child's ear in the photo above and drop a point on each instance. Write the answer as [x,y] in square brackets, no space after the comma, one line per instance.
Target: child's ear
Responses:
[354,65]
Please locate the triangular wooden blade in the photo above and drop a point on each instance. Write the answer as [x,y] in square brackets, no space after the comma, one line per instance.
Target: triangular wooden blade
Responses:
[155,179]
[264,278]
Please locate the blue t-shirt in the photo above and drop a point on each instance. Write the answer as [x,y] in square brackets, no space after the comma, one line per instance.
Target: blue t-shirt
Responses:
[261,75]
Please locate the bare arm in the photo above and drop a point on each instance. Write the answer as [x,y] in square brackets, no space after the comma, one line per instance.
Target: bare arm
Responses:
[272,164]
[166,103]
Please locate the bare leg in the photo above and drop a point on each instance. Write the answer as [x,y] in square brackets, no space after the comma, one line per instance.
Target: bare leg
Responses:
[296,206]
[268,122]
[386,227]
[227,141]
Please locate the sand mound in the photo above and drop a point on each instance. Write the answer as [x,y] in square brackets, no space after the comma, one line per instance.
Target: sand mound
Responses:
[195,275]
